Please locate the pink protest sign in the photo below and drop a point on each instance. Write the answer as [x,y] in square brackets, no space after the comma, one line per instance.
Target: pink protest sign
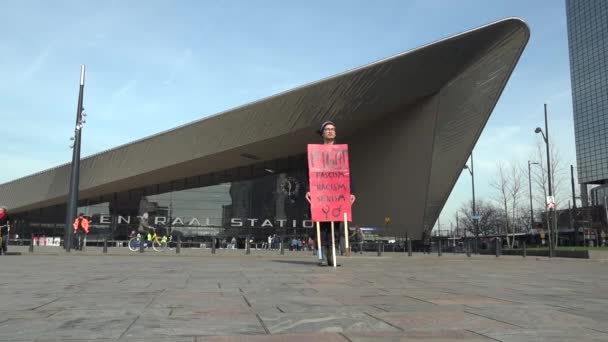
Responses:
[329,177]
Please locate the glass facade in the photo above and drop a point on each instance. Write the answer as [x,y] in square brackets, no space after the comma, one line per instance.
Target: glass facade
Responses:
[257,200]
[588,45]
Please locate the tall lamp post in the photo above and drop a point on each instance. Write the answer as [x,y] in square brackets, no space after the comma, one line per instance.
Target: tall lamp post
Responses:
[475,219]
[545,136]
[530,184]
[72,206]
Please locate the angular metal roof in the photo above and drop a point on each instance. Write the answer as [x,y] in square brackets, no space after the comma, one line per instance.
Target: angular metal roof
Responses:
[461,77]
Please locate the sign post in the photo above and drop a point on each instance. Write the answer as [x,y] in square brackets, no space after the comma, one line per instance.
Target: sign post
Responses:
[346,242]
[329,176]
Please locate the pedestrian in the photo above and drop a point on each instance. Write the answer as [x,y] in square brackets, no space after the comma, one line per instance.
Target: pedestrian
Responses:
[269,242]
[328,134]
[81,229]
[358,238]
[5,228]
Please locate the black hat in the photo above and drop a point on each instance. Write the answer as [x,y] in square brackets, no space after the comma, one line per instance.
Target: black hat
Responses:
[325,124]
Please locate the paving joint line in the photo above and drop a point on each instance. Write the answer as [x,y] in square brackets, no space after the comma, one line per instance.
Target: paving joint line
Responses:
[482,335]
[342,334]
[129,327]
[262,323]
[381,320]
[379,308]
[493,319]
[39,306]
[421,300]
[247,301]
[278,308]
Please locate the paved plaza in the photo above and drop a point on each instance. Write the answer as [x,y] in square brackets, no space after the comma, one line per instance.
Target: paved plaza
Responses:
[196,296]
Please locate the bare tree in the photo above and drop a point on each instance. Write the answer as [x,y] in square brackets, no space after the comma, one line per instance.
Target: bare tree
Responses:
[515,190]
[501,185]
[491,218]
[558,179]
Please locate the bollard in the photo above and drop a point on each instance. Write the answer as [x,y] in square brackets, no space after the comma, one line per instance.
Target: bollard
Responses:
[469,248]
[247,247]
[282,247]
[497,247]
[213,242]
[409,247]
[32,244]
[178,249]
[439,247]
[379,249]
[523,250]
[105,245]
[142,243]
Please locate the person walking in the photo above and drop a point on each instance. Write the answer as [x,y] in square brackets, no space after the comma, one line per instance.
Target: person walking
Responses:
[5,228]
[81,229]
[328,134]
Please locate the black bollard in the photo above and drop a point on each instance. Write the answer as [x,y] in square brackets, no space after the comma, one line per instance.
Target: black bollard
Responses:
[497,247]
[213,241]
[282,247]
[469,248]
[105,245]
[142,243]
[439,247]
[523,250]
[409,247]
[247,247]
[379,249]
[32,244]
[178,249]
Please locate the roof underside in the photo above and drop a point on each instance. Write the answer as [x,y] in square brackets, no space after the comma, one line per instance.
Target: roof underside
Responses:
[283,124]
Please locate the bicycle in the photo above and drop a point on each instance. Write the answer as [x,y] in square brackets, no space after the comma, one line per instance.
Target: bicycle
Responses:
[158,245]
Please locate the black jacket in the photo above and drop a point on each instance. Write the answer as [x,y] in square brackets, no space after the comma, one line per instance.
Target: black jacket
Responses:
[3,222]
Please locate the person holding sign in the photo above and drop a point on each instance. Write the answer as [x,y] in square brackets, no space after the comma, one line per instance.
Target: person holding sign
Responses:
[329,188]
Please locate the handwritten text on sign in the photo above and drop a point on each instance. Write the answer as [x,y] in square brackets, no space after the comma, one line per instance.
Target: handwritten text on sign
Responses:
[329,176]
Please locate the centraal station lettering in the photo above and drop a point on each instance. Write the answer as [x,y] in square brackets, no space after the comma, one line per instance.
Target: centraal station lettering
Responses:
[206,222]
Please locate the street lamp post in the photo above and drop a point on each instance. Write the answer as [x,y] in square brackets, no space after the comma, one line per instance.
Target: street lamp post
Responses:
[530,184]
[545,136]
[475,220]
[72,205]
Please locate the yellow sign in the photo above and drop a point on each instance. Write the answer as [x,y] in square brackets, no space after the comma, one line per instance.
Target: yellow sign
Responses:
[603,234]
[542,234]
[387,219]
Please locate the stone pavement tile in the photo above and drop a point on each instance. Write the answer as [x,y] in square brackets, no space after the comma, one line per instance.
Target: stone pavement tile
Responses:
[435,336]
[203,324]
[349,299]
[302,337]
[26,314]
[147,339]
[124,312]
[25,302]
[534,317]
[134,301]
[291,308]
[323,322]
[419,307]
[265,302]
[471,300]
[433,320]
[204,301]
[88,327]
[224,311]
[553,335]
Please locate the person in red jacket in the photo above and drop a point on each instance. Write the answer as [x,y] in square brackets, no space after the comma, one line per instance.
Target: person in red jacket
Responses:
[81,228]
[5,227]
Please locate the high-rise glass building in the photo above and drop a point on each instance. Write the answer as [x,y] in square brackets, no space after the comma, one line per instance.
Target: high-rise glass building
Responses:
[588,45]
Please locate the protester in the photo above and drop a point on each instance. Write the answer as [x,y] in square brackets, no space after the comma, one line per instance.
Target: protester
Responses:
[81,229]
[328,134]
[4,229]
[358,238]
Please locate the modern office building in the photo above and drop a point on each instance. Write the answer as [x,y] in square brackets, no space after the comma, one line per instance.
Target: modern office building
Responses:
[588,44]
[410,120]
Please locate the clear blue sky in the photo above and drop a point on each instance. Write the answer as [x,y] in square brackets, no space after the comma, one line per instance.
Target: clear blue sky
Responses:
[155,65]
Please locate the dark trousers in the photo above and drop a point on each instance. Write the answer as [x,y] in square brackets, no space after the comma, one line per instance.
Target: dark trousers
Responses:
[326,239]
[79,240]
[4,243]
